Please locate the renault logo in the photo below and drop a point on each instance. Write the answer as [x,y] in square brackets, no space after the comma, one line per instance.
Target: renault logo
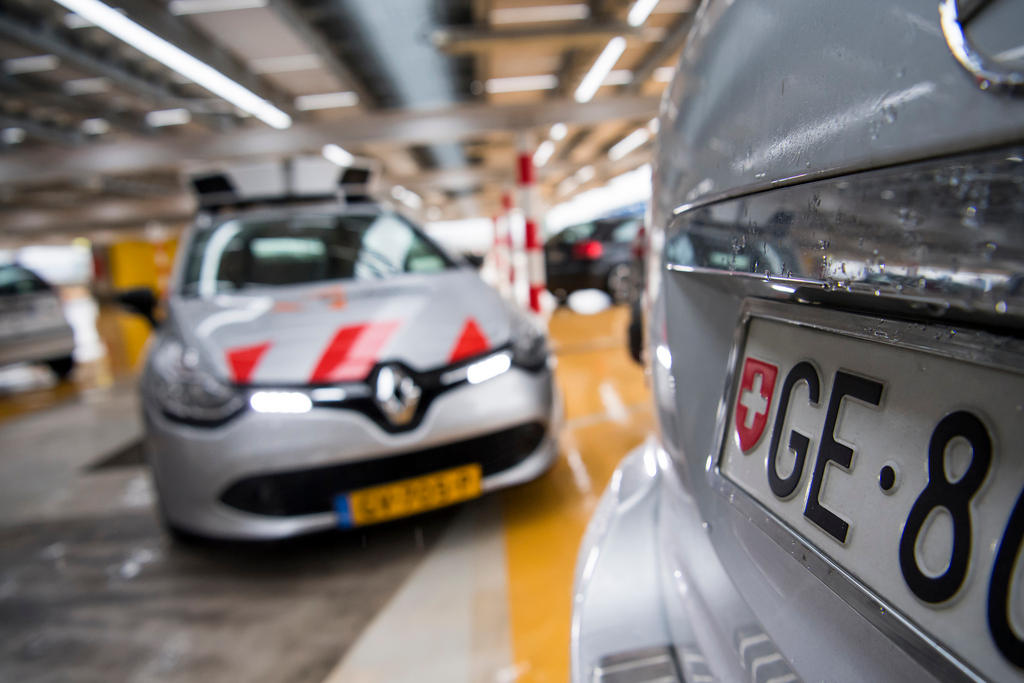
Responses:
[396,394]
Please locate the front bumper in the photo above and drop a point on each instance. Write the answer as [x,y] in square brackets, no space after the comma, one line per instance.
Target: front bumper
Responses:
[194,467]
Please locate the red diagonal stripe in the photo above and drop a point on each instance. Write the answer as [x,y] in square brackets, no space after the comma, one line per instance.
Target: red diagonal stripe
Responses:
[472,342]
[336,352]
[244,359]
[365,353]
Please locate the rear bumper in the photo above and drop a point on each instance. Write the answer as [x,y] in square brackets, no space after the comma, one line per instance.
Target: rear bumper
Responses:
[195,468]
[650,578]
[617,599]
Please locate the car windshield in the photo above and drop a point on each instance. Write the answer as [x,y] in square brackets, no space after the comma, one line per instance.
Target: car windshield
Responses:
[573,234]
[245,252]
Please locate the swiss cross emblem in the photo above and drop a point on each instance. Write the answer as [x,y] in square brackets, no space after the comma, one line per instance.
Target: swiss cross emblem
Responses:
[754,401]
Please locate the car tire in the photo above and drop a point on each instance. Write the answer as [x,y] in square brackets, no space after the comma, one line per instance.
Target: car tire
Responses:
[619,282]
[62,367]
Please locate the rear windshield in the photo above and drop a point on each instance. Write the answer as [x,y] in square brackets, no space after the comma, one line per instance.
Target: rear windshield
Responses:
[246,252]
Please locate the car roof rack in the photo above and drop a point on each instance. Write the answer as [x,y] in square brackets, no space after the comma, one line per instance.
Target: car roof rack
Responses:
[299,180]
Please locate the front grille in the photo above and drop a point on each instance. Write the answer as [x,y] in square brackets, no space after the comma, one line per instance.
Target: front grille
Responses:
[303,492]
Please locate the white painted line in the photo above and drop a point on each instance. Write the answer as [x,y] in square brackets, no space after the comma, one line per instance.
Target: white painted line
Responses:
[613,404]
[449,621]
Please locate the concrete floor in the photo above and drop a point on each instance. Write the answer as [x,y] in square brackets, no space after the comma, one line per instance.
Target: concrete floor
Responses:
[91,589]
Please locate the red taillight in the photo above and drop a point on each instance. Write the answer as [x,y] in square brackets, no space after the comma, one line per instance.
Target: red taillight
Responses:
[589,250]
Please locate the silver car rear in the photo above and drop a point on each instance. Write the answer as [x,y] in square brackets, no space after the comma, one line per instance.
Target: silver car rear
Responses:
[834,322]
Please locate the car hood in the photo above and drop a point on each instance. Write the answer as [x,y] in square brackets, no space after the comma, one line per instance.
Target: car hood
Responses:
[330,332]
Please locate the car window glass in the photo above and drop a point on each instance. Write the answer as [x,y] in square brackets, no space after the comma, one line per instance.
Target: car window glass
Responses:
[16,280]
[626,231]
[574,234]
[241,252]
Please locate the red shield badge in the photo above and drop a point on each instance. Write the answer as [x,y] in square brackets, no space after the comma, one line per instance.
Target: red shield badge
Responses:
[754,401]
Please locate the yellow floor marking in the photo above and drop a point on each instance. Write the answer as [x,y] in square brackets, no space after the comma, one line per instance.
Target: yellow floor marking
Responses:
[545,520]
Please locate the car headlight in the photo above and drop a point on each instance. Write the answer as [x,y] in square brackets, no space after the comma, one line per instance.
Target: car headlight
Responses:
[529,342]
[185,390]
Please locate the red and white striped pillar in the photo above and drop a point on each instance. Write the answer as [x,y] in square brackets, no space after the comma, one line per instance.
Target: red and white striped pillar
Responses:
[534,248]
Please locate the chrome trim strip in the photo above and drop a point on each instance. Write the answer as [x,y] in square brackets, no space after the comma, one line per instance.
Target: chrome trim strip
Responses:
[965,345]
[936,238]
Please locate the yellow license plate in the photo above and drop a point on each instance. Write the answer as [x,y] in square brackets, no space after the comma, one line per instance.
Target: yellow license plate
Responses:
[408,496]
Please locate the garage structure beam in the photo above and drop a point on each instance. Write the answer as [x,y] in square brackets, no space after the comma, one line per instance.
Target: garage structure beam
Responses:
[177,32]
[468,39]
[407,127]
[293,17]
[39,94]
[52,41]
[42,131]
[660,53]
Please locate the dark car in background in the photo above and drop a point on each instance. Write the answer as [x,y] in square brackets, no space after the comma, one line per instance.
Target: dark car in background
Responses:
[593,255]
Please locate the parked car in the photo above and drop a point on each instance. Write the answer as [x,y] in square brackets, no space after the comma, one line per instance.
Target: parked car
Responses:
[33,328]
[323,366]
[593,255]
[635,328]
[835,489]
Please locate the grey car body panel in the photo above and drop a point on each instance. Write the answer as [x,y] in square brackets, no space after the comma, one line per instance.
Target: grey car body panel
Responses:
[766,96]
[430,311]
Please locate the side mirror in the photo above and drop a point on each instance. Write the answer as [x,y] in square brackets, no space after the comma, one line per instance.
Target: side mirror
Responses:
[141,301]
[475,260]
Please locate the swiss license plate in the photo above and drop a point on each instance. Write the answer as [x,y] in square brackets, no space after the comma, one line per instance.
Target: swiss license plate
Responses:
[408,496]
[903,466]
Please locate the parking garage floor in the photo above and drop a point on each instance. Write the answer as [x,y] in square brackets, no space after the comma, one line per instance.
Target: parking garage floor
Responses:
[91,589]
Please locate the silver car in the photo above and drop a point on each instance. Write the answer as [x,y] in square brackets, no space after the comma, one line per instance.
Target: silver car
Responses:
[834,332]
[33,328]
[329,367]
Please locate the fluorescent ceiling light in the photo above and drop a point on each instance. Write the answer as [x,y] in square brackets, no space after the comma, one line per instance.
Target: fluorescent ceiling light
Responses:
[12,136]
[618,77]
[585,174]
[543,153]
[180,7]
[640,11]
[338,156]
[168,117]
[558,131]
[95,126]
[407,197]
[87,86]
[629,143]
[276,65]
[654,125]
[521,83]
[663,74]
[529,15]
[176,59]
[77,21]
[602,66]
[326,100]
[31,65]
[567,185]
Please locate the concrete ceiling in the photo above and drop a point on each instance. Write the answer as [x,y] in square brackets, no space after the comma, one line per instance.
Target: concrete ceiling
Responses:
[439,92]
